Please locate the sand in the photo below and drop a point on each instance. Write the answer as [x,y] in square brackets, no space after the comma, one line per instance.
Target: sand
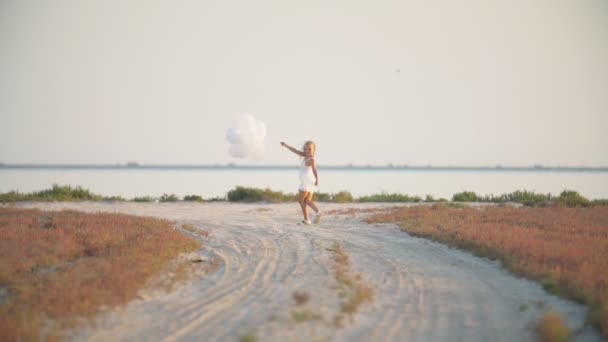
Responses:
[423,291]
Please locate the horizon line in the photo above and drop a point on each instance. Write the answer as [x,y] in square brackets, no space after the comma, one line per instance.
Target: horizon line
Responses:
[350,166]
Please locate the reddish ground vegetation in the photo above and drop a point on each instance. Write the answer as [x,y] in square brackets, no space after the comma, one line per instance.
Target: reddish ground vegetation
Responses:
[566,249]
[56,267]
[358,211]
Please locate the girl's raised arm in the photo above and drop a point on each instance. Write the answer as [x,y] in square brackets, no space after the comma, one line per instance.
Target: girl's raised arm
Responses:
[300,153]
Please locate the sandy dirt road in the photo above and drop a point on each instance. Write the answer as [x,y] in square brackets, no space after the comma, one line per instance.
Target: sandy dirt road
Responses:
[423,291]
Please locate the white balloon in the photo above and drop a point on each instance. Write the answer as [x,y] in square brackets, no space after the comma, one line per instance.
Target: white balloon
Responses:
[246,138]
[233,135]
[238,150]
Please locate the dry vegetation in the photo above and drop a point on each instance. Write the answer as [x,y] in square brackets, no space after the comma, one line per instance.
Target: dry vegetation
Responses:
[353,289]
[58,267]
[198,232]
[551,328]
[566,249]
[301,297]
[357,211]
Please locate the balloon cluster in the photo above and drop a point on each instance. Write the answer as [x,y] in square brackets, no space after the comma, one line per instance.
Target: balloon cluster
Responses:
[246,138]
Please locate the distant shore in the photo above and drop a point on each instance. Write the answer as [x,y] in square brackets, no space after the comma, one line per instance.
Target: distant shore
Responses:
[134,165]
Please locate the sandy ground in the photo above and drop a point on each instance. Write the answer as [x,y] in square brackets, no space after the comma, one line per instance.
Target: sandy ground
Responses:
[423,291]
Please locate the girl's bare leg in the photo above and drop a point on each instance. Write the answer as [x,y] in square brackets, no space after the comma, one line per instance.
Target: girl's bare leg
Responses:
[302,196]
[310,203]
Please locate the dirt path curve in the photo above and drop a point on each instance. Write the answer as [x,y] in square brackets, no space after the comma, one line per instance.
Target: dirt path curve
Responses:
[423,291]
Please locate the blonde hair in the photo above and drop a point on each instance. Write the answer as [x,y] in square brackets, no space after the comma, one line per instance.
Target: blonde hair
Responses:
[311,144]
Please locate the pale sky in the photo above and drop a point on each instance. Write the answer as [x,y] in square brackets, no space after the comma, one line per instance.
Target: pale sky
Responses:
[473,82]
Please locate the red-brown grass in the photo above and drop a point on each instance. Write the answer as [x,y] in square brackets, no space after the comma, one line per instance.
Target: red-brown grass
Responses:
[57,267]
[566,249]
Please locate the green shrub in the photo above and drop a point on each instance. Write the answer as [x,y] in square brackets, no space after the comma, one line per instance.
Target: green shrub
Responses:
[58,193]
[524,197]
[216,199]
[114,199]
[168,198]
[386,197]
[322,197]
[193,198]
[342,197]
[13,196]
[65,193]
[144,199]
[572,198]
[465,196]
[599,202]
[243,194]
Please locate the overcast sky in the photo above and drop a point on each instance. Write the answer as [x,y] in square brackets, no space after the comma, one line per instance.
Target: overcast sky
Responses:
[512,82]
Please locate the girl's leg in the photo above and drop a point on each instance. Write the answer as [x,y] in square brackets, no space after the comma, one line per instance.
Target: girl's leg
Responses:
[302,195]
[310,203]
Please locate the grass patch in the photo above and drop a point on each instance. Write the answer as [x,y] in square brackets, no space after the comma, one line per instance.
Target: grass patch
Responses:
[200,232]
[57,267]
[385,197]
[168,198]
[243,194]
[193,198]
[353,290]
[57,193]
[562,248]
[144,199]
[248,338]
[568,198]
[305,316]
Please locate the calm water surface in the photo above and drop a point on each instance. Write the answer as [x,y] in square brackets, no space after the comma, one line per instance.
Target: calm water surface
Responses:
[216,182]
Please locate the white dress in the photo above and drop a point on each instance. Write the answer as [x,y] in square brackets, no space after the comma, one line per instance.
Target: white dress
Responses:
[307,178]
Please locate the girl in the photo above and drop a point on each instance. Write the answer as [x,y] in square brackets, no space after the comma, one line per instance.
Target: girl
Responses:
[309,180]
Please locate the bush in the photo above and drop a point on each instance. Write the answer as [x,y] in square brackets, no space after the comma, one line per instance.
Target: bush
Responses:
[65,193]
[193,198]
[385,197]
[524,197]
[58,193]
[243,194]
[594,202]
[144,199]
[216,199]
[465,196]
[322,197]
[168,198]
[114,199]
[528,198]
[13,196]
[571,198]
[342,197]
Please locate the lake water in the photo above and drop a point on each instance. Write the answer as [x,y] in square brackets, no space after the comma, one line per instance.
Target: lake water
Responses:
[210,183]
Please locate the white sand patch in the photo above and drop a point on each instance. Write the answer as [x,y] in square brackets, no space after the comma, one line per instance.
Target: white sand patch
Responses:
[423,291]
